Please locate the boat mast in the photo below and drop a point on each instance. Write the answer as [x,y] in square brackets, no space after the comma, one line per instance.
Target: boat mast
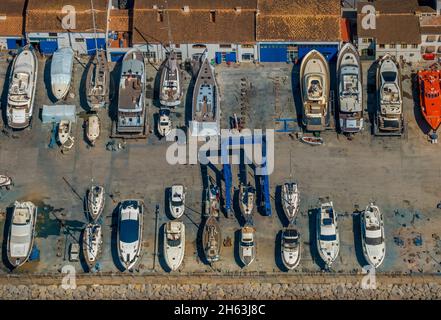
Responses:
[94,30]
[168,25]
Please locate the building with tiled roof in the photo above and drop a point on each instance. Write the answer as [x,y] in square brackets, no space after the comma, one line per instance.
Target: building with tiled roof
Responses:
[52,24]
[11,24]
[226,28]
[287,29]
[407,29]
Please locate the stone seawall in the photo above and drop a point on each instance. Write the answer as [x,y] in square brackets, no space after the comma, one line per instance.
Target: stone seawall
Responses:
[207,288]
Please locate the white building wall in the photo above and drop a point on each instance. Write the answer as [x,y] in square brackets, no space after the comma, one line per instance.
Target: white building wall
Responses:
[408,54]
[77,40]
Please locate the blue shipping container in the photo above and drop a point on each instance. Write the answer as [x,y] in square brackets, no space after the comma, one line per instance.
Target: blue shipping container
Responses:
[329,51]
[273,53]
[48,46]
[90,43]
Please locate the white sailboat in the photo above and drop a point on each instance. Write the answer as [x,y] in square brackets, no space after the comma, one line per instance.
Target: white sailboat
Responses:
[247,198]
[290,247]
[372,235]
[328,239]
[290,200]
[174,244]
[92,244]
[211,240]
[177,200]
[21,233]
[130,227]
[95,201]
[61,72]
[21,93]
[164,122]
[171,92]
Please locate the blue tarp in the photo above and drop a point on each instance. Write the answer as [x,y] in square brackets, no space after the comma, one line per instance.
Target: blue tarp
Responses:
[35,253]
[128,231]
[90,43]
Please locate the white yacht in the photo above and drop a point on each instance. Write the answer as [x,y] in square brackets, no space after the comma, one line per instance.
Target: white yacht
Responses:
[65,137]
[130,227]
[177,200]
[95,201]
[315,89]
[389,93]
[350,89]
[61,72]
[290,200]
[372,235]
[174,244]
[21,233]
[171,92]
[247,245]
[164,122]
[92,244]
[328,240]
[93,129]
[290,247]
[21,93]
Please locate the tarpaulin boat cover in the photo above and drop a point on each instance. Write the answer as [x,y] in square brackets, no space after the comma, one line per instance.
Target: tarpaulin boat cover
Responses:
[56,113]
[61,66]
[128,231]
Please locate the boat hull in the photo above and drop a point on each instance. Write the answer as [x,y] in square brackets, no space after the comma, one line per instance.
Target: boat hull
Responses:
[18,261]
[174,256]
[211,240]
[93,129]
[61,72]
[171,73]
[328,250]
[21,117]
[98,82]
[430,97]
[89,257]
[374,256]
[95,202]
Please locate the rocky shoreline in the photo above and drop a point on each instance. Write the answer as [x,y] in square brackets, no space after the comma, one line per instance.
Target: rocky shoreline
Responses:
[156,291]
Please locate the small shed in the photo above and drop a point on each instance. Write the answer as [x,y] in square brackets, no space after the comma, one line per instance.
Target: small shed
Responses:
[56,113]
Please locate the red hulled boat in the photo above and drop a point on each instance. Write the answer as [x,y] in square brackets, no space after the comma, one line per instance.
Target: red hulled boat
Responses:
[430,96]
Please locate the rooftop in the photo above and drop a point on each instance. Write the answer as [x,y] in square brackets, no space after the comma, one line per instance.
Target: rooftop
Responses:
[11,12]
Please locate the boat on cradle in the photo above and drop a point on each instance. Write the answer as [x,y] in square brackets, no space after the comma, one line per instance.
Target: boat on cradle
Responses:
[290,247]
[170,92]
[5,182]
[211,240]
[61,72]
[177,200]
[65,137]
[213,201]
[93,129]
[315,88]
[130,227]
[350,89]
[247,245]
[21,93]
[247,198]
[205,119]
[95,202]
[131,97]
[328,239]
[164,122]
[290,200]
[92,244]
[430,98]
[174,244]
[21,233]
[372,235]
[98,82]
[390,118]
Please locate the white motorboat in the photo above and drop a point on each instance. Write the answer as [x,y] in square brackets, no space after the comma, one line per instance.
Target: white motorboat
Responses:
[21,233]
[372,235]
[65,137]
[21,93]
[290,200]
[130,227]
[350,88]
[95,202]
[92,244]
[328,240]
[164,122]
[174,244]
[170,93]
[247,245]
[61,72]
[177,200]
[315,89]
[390,118]
[5,182]
[290,247]
[212,240]
[247,198]
[93,129]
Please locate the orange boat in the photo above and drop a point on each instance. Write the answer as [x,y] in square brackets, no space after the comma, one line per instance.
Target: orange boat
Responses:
[430,98]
